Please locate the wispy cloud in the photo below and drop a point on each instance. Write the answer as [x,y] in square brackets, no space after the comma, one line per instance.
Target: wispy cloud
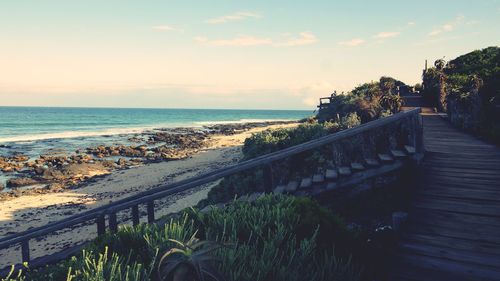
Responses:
[242,40]
[386,34]
[353,42]
[411,23]
[233,17]
[447,27]
[304,38]
[163,27]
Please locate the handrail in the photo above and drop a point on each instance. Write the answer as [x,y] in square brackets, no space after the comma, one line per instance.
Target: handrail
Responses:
[183,185]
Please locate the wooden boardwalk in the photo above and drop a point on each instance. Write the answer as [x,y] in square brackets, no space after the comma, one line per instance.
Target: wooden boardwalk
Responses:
[453,229]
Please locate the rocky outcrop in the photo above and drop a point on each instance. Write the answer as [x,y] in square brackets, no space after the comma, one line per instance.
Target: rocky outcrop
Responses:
[19,182]
[57,172]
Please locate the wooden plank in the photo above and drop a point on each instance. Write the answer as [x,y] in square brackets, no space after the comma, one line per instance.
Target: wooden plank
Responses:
[318,178]
[469,165]
[463,175]
[372,162]
[410,149]
[433,177]
[462,183]
[451,191]
[459,206]
[25,251]
[356,167]
[101,225]
[305,183]
[454,270]
[430,215]
[279,189]
[151,211]
[385,158]
[344,171]
[113,223]
[332,186]
[331,175]
[452,243]
[461,170]
[268,177]
[454,229]
[135,215]
[470,258]
[398,154]
[292,186]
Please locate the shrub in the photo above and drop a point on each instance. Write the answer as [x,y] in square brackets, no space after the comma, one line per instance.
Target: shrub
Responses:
[468,89]
[273,238]
[279,238]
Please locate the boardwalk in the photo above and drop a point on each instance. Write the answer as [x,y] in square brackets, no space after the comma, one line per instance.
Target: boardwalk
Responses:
[453,231]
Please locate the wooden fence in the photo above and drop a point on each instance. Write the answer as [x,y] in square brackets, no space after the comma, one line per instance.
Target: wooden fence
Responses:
[99,215]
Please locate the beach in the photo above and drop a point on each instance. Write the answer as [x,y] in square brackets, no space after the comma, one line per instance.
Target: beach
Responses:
[34,209]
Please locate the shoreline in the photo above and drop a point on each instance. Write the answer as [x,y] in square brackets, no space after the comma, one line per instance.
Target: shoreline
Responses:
[133,130]
[33,210]
[61,169]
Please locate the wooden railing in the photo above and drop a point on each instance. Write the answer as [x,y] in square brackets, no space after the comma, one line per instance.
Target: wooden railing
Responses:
[98,215]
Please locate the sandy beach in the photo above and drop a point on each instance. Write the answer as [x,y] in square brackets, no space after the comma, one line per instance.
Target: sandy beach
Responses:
[34,210]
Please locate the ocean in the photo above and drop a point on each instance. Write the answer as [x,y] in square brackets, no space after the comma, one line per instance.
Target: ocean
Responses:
[39,130]
[35,131]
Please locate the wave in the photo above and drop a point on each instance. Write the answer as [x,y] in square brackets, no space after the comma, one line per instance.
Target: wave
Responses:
[241,121]
[122,131]
[73,134]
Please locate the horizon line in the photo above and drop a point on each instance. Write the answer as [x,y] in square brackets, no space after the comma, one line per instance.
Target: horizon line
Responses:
[180,108]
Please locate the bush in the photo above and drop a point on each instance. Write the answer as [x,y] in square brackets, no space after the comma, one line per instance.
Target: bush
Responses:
[468,89]
[273,238]
[280,238]
[367,100]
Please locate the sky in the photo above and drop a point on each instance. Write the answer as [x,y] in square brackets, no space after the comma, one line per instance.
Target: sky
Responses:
[259,54]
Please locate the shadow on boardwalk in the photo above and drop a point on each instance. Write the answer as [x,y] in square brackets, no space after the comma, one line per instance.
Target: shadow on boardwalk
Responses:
[453,230]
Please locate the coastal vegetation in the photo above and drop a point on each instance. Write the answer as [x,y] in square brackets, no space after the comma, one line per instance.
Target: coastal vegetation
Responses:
[364,103]
[467,88]
[272,238]
[369,101]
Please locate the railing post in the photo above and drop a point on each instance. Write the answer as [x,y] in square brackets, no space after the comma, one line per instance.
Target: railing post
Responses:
[151,211]
[268,177]
[419,130]
[25,250]
[101,225]
[135,215]
[113,223]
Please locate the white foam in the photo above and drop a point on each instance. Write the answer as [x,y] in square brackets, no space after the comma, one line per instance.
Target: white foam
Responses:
[120,131]
[241,121]
[73,134]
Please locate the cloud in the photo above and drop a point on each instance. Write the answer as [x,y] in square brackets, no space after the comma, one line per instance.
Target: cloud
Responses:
[411,23]
[447,27]
[233,17]
[353,42]
[242,40]
[386,34]
[304,38]
[163,27]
